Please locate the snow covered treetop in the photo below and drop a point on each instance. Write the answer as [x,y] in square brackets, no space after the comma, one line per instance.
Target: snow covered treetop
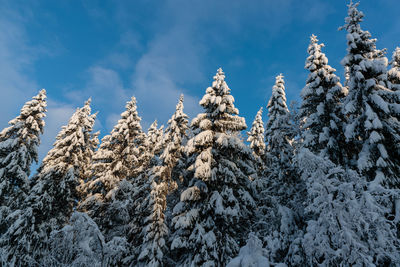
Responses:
[217,98]
[354,16]
[219,107]
[178,111]
[396,58]
[358,40]
[72,140]
[31,116]
[256,135]
[394,72]
[316,58]
[278,97]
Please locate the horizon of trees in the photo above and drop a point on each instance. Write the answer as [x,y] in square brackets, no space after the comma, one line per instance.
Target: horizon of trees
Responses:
[317,185]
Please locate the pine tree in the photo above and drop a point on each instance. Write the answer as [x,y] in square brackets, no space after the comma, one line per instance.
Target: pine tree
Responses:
[155,138]
[122,158]
[256,138]
[54,192]
[122,154]
[347,226]
[207,224]
[163,180]
[279,132]
[394,72]
[321,106]
[81,243]
[18,150]
[279,206]
[372,132]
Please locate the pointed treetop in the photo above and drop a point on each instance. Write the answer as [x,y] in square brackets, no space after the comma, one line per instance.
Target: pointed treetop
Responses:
[152,127]
[278,91]
[314,44]
[354,16]
[394,72]
[396,58]
[256,135]
[313,39]
[36,108]
[179,106]
[219,106]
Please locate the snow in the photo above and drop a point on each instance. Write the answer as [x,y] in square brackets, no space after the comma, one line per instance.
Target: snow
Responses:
[251,255]
[318,186]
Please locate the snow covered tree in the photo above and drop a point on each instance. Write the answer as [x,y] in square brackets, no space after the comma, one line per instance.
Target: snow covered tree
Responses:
[163,179]
[372,132]
[123,157]
[321,111]
[155,138]
[279,132]
[207,223]
[18,150]
[81,243]
[394,72]
[281,196]
[347,226]
[122,154]
[256,138]
[54,192]
[251,255]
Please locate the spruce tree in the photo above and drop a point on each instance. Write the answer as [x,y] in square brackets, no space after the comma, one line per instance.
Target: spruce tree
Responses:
[279,132]
[256,139]
[321,106]
[279,207]
[155,138]
[372,130]
[207,223]
[54,192]
[394,72]
[346,226]
[121,154]
[163,179]
[18,150]
[122,157]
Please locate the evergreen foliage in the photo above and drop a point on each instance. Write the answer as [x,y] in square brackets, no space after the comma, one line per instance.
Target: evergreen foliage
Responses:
[54,192]
[206,228]
[256,139]
[321,106]
[18,150]
[318,186]
[371,129]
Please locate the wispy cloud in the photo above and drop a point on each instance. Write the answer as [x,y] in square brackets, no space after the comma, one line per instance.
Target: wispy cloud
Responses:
[16,59]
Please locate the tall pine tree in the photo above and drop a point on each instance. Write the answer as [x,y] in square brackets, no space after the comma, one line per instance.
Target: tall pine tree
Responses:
[54,192]
[346,226]
[279,132]
[121,154]
[394,72]
[321,106]
[372,131]
[163,180]
[280,208]
[18,150]
[256,138]
[208,220]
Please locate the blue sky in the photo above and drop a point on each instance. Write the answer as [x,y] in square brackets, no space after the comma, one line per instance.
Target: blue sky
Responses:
[155,50]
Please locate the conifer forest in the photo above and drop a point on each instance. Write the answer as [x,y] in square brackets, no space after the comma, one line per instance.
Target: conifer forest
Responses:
[316,185]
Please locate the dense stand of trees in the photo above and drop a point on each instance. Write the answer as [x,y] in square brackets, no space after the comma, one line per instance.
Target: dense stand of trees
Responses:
[315,187]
